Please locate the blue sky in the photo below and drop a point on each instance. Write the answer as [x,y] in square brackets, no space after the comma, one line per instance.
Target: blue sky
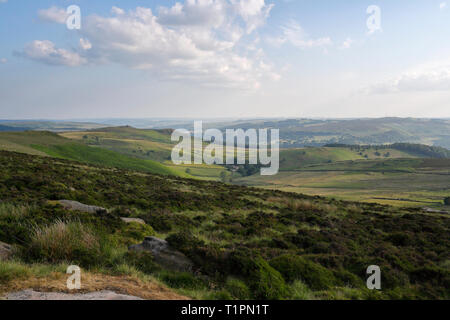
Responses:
[224,58]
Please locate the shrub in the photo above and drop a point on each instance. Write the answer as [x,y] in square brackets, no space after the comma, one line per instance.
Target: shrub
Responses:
[184,242]
[265,282]
[142,261]
[298,268]
[237,288]
[447,201]
[348,279]
[61,241]
[135,232]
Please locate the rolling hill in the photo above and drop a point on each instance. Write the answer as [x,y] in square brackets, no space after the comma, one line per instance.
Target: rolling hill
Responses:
[54,145]
[296,133]
[244,243]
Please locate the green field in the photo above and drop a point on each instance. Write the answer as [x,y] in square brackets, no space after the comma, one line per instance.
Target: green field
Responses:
[54,145]
[410,182]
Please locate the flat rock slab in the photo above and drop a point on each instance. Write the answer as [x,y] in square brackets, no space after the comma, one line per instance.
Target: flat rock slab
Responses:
[131,220]
[78,206]
[99,295]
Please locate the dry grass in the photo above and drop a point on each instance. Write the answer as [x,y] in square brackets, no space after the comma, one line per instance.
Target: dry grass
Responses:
[60,241]
[56,282]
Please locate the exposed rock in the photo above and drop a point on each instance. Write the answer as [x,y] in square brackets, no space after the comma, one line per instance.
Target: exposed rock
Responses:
[130,220]
[164,254]
[429,210]
[5,251]
[77,206]
[99,295]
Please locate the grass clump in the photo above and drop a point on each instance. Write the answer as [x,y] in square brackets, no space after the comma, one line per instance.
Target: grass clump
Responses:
[237,288]
[300,291]
[64,241]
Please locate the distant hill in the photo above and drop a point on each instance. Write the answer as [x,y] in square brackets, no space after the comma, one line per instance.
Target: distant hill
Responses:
[8,128]
[22,125]
[54,145]
[296,133]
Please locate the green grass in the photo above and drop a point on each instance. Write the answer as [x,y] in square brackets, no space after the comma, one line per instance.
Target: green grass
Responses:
[295,159]
[54,145]
[401,182]
[98,156]
[232,234]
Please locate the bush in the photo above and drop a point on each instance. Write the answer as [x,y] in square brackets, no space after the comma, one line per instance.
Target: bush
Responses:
[447,201]
[298,268]
[61,241]
[142,261]
[135,232]
[348,279]
[237,288]
[184,242]
[265,282]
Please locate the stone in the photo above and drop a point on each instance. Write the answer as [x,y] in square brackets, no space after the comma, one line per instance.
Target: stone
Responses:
[78,206]
[164,255]
[5,251]
[131,220]
[99,295]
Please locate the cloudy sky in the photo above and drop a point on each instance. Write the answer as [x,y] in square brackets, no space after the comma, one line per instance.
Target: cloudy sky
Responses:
[224,58]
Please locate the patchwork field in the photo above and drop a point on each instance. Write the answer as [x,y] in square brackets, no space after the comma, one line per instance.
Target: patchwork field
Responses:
[402,182]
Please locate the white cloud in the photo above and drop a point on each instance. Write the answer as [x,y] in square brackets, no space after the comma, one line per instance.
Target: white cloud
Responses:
[45,52]
[200,41]
[442,5]
[253,12]
[294,34]
[85,44]
[347,43]
[53,14]
[428,77]
[206,13]
[117,11]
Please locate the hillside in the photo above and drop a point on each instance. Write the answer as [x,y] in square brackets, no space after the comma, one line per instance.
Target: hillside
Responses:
[145,144]
[292,159]
[244,242]
[296,133]
[400,182]
[51,144]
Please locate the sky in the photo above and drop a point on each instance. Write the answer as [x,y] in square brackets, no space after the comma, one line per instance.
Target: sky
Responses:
[224,58]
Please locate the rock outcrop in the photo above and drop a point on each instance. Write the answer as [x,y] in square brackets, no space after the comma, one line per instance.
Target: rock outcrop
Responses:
[164,254]
[99,295]
[130,220]
[78,206]
[5,251]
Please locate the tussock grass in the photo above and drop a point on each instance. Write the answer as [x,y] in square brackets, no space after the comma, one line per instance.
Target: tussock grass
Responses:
[63,241]
[300,291]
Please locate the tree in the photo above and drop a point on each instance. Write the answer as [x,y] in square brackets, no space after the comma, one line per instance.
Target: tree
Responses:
[447,201]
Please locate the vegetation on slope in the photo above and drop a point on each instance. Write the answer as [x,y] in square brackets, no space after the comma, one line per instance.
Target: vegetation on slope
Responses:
[52,144]
[245,242]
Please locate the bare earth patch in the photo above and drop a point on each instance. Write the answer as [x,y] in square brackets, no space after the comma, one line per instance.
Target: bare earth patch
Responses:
[91,283]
